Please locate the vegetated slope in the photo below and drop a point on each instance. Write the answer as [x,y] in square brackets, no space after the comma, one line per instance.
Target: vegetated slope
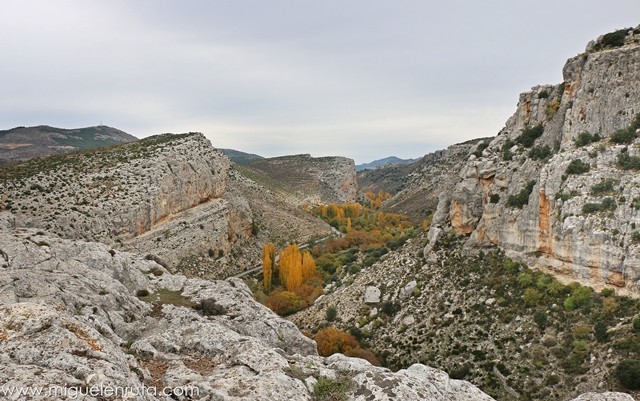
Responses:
[387,161]
[416,186]
[515,333]
[23,143]
[558,187]
[81,316]
[274,219]
[163,196]
[305,180]
[239,157]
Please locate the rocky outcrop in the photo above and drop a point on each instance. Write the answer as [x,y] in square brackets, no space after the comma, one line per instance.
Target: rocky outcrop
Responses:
[162,195]
[521,195]
[70,321]
[305,180]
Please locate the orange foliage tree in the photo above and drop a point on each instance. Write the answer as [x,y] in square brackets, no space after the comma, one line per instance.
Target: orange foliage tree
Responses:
[331,341]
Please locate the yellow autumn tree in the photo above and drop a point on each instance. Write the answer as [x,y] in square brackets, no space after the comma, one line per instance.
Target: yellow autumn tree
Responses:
[290,267]
[308,266]
[268,262]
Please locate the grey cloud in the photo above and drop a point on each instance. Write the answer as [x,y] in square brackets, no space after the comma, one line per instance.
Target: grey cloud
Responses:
[360,78]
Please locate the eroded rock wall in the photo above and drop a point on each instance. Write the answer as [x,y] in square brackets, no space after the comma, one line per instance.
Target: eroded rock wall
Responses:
[162,195]
[551,228]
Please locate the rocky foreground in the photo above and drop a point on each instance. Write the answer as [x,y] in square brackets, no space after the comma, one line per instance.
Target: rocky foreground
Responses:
[79,315]
[70,317]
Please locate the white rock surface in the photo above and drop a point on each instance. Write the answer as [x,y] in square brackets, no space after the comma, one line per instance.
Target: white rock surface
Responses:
[371,295]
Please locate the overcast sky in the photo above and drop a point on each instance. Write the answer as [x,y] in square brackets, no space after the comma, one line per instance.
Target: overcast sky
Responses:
[364,79]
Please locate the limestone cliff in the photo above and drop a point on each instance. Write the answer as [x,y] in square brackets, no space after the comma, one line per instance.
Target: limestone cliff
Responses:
[163,196]
[548,189]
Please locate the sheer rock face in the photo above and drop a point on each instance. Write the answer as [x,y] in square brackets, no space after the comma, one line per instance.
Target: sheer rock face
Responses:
[162,195]
[69,318]
[551,230]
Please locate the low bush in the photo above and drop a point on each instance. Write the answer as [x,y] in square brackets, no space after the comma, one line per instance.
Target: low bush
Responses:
[628,162]
[612,39]
[331,314]
[540,152]
[625,135]
[606,185]
[586,138]
[577,166]
[529,135]
[327,389]
[628,372]
[522,197]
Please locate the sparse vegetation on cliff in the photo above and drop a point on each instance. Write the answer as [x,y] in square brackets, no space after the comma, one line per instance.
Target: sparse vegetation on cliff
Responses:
[522,197]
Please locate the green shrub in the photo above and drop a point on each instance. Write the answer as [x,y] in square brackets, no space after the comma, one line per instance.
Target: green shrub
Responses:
[628,162]
[506,149]
[481,146]
[540,318]
[612,39]
[522,197]
[531,297]
[580,296]
[625,135]
[507,154]
[460,372]
[636,324]
[586,138]
[600,332]
[635,237]
[608,203]
[577,166]
[494,198]
[543,94]
[331,314]
[327,389]
[529,135]
[540,152]
[389,308]
[628,372]
[606,185]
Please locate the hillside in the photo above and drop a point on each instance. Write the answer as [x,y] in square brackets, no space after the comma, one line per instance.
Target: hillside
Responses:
[22,143]
[305,180]
[387,161]
[417,186]
[239,157]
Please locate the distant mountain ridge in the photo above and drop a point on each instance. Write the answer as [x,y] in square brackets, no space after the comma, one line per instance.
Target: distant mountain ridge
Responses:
[22,143]
[241,158]
[384,162]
